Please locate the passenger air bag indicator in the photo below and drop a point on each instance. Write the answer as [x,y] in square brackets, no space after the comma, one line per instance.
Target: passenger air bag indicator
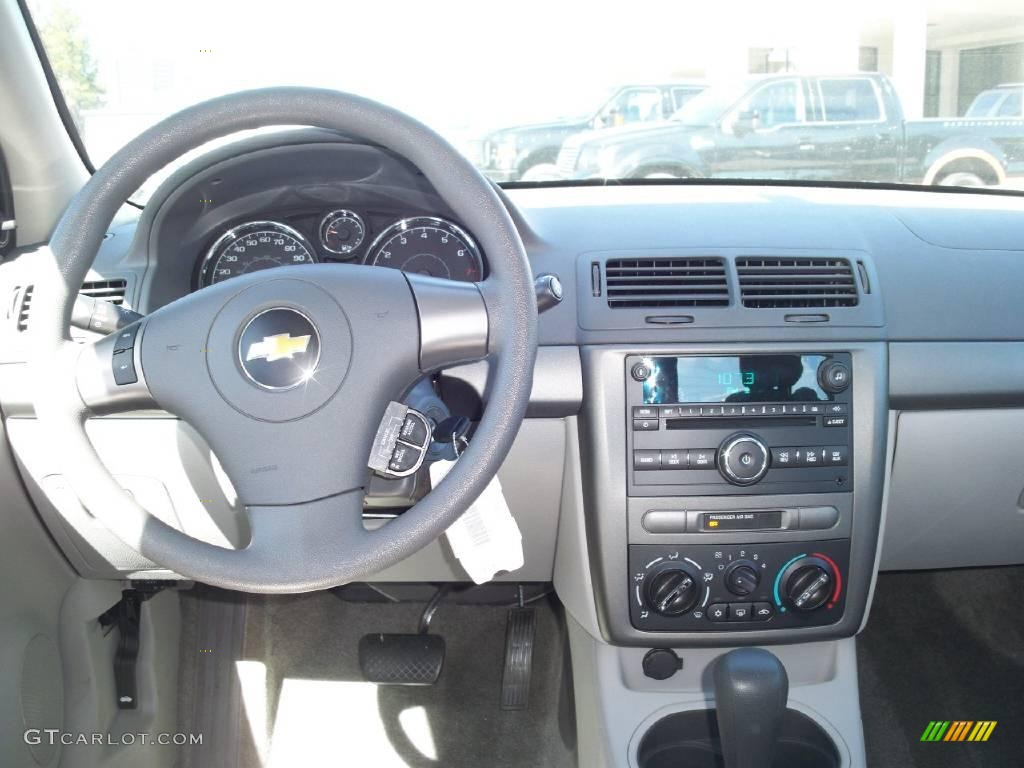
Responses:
[740,521]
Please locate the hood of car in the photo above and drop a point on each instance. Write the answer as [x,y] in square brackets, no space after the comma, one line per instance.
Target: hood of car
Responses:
[628,133]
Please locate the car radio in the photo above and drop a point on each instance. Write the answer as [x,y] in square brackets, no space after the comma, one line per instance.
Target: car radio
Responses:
[739,424]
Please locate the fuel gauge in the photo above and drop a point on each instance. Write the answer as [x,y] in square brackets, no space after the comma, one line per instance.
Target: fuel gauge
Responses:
[342,231]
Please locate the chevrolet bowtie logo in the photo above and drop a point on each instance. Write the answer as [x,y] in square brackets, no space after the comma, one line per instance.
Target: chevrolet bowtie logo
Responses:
[282,346]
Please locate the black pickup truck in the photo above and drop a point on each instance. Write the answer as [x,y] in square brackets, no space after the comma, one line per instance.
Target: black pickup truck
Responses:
[822,128]
[510,153]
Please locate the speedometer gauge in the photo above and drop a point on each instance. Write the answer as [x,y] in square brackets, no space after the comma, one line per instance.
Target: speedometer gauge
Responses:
[428,245]
[252,247]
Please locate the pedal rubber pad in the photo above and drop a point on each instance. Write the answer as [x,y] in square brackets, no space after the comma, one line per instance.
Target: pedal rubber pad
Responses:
[515,681]
[401,659]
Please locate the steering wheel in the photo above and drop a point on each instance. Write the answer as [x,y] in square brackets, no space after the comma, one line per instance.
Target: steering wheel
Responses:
[286,373]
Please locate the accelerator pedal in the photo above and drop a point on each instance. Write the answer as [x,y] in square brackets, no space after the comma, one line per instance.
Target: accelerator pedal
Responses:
[520,629]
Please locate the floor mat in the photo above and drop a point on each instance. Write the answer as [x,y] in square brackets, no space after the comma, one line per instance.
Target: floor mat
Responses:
[944,646]
[302,699]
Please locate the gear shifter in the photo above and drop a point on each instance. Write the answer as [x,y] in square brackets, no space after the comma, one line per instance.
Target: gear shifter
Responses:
[751,688]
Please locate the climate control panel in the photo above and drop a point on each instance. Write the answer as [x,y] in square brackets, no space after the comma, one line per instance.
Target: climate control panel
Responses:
[730,587]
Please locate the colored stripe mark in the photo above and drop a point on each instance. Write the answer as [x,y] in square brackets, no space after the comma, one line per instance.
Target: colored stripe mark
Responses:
[958,730]
[935,730]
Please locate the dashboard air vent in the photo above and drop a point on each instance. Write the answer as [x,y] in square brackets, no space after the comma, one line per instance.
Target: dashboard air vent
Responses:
[772,283]
[666,282]
[107,290]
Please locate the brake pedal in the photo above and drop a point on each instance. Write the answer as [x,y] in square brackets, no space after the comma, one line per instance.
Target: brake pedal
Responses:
[521,627]
[405,659]
[401,659]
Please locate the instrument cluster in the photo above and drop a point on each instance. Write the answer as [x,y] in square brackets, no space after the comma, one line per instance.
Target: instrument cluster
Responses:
[427,245]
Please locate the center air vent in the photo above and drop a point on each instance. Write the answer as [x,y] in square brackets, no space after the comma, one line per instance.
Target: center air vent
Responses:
[767,283]
[107,290]
[666,282]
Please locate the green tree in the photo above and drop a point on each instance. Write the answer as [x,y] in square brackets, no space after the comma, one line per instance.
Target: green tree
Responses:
[68,51]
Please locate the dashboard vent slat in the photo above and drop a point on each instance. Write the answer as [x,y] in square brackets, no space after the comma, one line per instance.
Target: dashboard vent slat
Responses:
[773,283]
[666,282]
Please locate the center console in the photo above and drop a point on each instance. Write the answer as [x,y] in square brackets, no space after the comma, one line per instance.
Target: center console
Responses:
[742,496]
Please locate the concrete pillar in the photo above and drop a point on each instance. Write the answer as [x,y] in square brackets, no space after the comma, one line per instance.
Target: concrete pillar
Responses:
[909,43]
[950,80]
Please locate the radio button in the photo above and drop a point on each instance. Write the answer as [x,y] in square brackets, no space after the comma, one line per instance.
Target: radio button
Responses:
[673,459]
[711,410]
[792,409]
[732,410]
[701,458]
[646,425]
[775,410]
[671,412]
[813,457]
[836,455]
[646,459]
[785,457]
[645,412]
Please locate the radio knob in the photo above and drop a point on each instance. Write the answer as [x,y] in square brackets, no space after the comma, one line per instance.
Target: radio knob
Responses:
[834,376]
[742,577]
[742,459]
[672,591]
[808,583]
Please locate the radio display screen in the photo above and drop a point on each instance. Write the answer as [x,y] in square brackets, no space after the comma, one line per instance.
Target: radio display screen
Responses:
[734,379]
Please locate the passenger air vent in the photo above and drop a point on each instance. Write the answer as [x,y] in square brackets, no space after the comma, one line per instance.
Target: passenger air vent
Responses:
[666,282]
[107,290]
[771,283]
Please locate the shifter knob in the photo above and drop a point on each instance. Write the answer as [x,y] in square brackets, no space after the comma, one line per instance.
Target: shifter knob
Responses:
[751,689]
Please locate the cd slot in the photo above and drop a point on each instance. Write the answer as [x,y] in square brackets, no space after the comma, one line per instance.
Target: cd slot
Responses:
[721,422]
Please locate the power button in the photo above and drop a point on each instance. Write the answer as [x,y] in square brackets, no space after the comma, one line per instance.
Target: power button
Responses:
[641,372]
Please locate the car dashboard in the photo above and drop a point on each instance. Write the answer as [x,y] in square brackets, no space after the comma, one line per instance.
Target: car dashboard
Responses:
[749,400]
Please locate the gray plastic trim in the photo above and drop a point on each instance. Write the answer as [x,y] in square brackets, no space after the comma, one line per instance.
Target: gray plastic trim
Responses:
[955,493]
[965,374]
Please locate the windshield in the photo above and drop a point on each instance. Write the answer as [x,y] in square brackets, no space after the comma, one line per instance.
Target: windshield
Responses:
[802,91]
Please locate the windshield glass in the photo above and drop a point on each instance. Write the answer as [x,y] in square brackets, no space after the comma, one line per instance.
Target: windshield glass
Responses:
[564,92]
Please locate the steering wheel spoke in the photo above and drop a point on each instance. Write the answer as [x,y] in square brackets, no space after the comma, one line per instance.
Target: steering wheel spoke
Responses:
[108,373]
[453,319]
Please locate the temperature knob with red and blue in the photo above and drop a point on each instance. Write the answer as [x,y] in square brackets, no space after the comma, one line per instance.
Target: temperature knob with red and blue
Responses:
[807,582]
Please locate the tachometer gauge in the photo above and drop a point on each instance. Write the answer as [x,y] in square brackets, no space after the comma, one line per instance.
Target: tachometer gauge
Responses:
[428,245]
[251,247]
[342,231]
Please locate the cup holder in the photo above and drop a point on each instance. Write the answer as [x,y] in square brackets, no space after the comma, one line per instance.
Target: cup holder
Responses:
[690,740]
